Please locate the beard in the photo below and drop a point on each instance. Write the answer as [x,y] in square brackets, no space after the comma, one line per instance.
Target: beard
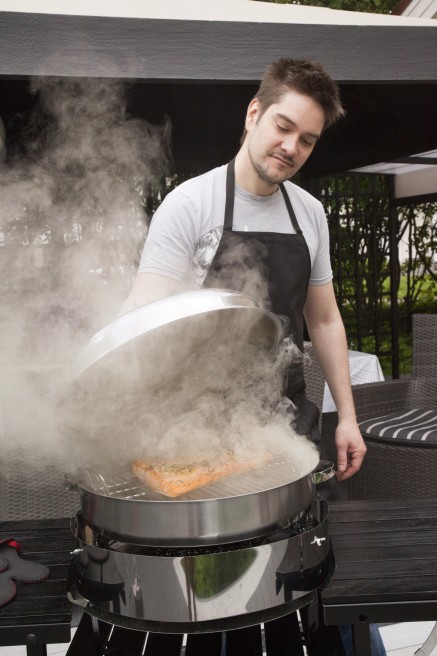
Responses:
[266,174]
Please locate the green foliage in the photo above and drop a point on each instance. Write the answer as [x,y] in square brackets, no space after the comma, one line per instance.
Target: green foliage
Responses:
[370,6]
[357,209]
[361,221]
[418,281]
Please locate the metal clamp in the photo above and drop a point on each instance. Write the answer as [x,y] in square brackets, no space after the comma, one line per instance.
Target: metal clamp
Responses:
[324,471]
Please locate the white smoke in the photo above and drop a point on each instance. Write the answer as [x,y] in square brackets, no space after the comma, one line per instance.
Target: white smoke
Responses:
[72,223]
[184,399]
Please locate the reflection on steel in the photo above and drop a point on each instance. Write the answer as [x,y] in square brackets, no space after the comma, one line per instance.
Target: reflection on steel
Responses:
[175,587]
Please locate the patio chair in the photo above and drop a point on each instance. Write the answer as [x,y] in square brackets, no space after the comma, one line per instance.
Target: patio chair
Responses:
[314,379]
[398,420]
[30,486]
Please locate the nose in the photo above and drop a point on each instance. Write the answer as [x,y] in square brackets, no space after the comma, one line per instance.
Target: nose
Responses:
[290,145]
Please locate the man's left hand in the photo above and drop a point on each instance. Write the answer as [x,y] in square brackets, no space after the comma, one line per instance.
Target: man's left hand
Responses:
[350,449]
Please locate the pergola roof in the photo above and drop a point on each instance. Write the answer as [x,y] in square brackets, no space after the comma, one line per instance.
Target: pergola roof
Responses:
[414,176]
[200,62]
[201,40]
[225,10]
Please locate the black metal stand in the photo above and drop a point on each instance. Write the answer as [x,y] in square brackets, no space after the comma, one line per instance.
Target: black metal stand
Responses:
[280,637]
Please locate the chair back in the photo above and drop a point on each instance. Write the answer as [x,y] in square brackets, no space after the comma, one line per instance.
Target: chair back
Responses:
[423,391]
[314,379]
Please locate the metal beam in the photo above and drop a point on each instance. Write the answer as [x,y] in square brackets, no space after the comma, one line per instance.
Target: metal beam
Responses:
[165,50]
[413,159]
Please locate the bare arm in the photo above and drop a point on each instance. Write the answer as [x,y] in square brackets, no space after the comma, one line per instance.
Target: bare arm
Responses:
[328,337]
[149,287]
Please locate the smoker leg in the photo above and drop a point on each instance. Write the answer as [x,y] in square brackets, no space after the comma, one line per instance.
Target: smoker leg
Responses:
[244,641]
[200,644]
[283,636]
[89,638]
[95,629]
[161,644]
[125,642]
[320,639]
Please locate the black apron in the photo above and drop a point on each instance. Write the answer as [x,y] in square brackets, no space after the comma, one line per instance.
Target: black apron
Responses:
[286,261]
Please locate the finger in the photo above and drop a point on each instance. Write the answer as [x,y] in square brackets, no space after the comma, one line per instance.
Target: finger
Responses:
[342,460]
[353,466]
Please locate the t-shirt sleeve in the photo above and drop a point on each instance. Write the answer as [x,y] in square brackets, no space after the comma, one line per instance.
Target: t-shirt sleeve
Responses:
[169,246]
[321,272]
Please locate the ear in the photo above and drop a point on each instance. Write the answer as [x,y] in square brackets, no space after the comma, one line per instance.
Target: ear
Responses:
[252,114]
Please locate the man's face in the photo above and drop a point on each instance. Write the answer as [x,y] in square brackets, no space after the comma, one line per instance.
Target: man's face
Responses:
[280,141]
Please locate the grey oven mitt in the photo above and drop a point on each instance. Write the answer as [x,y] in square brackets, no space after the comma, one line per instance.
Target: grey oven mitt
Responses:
[14,568]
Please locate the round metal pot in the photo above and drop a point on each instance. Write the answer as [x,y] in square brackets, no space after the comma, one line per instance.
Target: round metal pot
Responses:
[125,510]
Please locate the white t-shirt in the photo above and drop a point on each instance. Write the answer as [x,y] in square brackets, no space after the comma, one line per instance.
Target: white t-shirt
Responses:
[186,228]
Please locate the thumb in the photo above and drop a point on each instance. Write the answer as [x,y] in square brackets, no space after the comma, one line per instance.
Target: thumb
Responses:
[341,458]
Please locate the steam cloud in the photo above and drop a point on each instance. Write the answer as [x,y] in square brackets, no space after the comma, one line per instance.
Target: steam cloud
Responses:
[242,267]
[74,184]
[71,230]
[187,399]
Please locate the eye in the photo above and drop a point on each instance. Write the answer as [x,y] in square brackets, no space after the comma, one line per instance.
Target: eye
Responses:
[308,142]
[281,128]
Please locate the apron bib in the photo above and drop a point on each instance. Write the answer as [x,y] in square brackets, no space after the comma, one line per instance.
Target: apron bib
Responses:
[285,261]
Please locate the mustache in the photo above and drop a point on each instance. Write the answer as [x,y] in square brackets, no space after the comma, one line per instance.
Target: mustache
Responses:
[288,160]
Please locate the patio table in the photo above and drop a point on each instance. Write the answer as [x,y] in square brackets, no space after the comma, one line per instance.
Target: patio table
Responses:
[364,368]
[386,565]
[40,613]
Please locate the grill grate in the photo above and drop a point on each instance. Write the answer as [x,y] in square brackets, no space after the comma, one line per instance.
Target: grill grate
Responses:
[126,486]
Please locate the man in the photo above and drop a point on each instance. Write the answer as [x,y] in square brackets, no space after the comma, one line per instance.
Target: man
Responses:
[244,224]
[250,209]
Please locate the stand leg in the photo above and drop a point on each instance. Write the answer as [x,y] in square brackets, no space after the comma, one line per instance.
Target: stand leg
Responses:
[35,649]
[202,644]
[361,637]
[283,636]
[244,641]
[84,640]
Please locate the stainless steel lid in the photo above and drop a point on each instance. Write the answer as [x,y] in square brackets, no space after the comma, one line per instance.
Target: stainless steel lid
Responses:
[169,328]
[132,362]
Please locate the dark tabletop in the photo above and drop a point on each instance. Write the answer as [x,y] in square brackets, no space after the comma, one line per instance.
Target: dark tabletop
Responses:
[41,609]
[386,562]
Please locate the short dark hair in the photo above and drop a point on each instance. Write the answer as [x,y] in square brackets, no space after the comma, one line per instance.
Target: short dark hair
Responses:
[303,76]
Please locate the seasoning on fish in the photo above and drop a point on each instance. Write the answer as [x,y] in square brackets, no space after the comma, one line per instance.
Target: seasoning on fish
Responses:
[174,480]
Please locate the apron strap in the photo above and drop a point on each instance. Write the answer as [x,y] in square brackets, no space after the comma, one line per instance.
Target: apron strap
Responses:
[290,209]
[230,197]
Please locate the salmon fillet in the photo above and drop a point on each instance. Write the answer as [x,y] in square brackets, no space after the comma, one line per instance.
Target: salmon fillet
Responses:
[175,480]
